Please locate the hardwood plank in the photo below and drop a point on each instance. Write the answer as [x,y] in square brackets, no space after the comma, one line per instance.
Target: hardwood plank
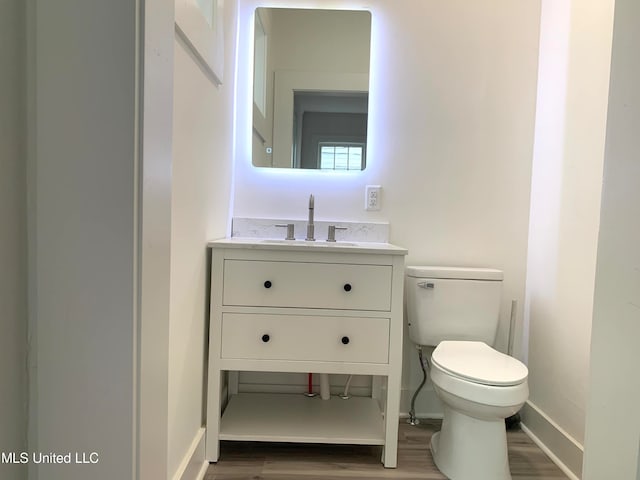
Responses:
[286,461]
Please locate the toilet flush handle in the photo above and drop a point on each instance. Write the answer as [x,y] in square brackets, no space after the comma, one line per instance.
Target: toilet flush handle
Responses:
[426,285]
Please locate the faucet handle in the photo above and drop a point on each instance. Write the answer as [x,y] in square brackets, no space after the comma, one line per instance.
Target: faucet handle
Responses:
[290,230]
[331,234]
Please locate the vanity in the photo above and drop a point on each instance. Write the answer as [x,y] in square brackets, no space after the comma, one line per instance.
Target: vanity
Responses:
[306,307]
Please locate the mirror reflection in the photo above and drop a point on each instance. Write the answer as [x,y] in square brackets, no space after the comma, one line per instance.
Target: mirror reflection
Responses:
[310,88]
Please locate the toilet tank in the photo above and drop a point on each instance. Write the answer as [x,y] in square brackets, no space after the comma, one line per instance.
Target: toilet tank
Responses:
[452,303]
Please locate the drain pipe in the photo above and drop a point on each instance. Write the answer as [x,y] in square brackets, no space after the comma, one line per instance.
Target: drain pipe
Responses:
[412,420]
[325,392]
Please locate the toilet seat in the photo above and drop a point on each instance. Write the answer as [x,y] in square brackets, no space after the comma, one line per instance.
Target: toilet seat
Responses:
[478,363]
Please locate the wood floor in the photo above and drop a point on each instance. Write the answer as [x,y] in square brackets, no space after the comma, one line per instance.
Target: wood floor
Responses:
[274,461]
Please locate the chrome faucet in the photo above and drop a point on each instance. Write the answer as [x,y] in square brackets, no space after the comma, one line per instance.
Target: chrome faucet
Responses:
[310,226]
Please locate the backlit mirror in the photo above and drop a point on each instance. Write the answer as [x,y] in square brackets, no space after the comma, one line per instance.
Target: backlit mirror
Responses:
[310,88]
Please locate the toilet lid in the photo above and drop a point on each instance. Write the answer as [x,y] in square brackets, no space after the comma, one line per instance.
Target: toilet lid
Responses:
[477,362]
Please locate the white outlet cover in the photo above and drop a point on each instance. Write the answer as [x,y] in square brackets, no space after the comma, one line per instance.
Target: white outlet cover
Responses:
[372,197]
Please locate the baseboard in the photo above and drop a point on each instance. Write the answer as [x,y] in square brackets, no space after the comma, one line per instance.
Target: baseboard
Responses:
[193,465]
[559,446]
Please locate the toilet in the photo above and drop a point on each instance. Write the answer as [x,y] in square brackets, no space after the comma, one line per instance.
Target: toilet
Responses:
[456,310]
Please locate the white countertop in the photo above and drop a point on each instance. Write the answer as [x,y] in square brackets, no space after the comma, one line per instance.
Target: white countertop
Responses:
[303,245]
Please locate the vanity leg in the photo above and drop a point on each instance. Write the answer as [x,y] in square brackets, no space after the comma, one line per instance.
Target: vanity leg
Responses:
[212,443]
[391,419]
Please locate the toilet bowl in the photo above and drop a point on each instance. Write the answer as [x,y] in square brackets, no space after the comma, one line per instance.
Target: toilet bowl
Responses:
[457,311]
[479,387]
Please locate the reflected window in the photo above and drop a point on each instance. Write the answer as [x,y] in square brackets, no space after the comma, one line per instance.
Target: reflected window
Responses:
[341,156]
[330,119]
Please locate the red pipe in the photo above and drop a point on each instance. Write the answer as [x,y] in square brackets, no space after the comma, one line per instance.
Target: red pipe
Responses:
[310,383]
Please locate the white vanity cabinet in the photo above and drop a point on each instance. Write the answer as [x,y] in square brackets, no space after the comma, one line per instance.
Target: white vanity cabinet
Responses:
[314,308]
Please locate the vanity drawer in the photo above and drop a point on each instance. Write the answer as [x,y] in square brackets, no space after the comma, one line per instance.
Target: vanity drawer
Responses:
[307,285]
[305,338]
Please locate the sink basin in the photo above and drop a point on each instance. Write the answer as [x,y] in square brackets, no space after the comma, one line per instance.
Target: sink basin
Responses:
[317,243]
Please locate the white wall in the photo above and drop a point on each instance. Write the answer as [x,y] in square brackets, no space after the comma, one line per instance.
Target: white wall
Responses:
[85,140]
[13,230]
[201,195]
[613,421]
[565,201]
[317,40]
[450,140]
[99,235]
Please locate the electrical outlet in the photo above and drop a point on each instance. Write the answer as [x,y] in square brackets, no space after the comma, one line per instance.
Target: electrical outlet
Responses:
[372,197]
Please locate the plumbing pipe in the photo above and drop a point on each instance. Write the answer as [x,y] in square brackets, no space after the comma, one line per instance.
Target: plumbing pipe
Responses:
[309,392]
[412,420]
[325,392]
[345,395]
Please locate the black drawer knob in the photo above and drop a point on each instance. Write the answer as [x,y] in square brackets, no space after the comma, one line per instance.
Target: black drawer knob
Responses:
[345,340]
[265,338]
[267,284]
[347,287]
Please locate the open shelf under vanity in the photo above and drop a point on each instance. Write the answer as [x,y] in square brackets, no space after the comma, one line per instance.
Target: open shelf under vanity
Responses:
[268,417]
